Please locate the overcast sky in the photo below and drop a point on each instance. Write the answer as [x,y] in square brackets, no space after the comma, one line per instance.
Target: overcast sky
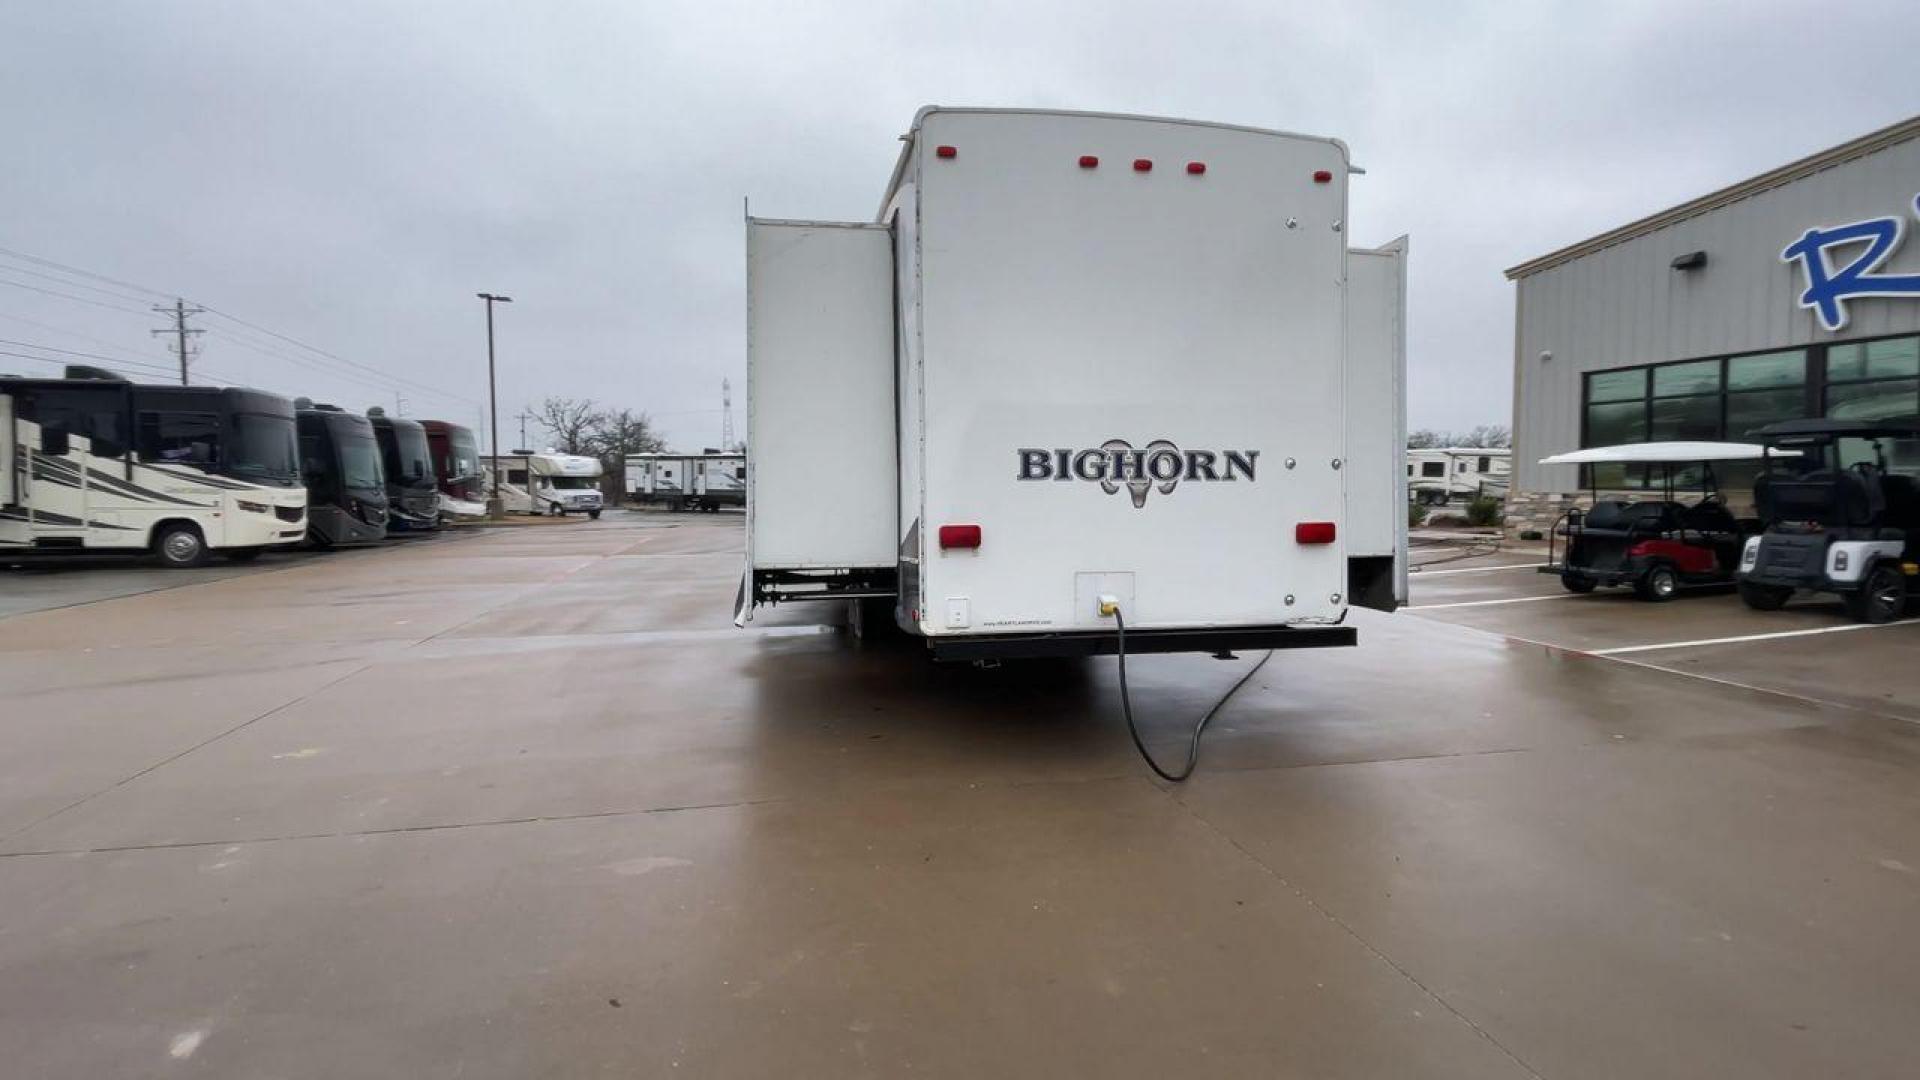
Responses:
[347,175]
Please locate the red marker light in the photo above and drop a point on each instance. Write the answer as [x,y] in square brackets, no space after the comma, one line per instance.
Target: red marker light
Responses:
[1196,167]
[946,151]
[1313,532]
[1142,165]
[1088,161]
[959,536]
[1323,177]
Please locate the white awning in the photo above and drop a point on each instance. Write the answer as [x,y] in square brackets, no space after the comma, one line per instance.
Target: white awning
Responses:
[1677,452]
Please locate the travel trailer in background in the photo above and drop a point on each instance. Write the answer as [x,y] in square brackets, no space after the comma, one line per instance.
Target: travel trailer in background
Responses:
[549,483]
[1089,383]
[413,496]
[705,481]
[1444,474]
[456,470]
[93,463]
[346,484]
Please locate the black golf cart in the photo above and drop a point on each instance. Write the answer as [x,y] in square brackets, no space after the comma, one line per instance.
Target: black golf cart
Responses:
[1658,545]
[1842,512]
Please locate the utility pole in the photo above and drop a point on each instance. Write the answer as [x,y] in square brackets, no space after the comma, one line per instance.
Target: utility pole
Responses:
[495,509]
[523,417]
[726,416]
[179,312]
[399,404]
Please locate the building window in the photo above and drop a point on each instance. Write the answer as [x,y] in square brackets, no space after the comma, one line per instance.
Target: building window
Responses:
[1692,400]
[1874,380]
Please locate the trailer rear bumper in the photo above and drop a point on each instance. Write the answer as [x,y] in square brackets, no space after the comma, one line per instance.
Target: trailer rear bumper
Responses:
[1101,643]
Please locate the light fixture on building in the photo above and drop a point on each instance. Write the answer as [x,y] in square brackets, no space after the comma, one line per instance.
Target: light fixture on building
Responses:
[1545,355]
[1692,260]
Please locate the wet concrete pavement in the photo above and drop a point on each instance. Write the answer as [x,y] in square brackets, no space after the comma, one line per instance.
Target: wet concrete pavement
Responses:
[527,805]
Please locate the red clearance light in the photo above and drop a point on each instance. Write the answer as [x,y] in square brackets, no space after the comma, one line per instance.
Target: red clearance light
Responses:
[1142,165]
[1088,161]
[946,151]
[1313,532]
[1196,167]
[959,536]
[1321,177]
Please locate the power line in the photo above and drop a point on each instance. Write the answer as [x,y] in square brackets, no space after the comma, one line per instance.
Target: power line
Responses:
[114,360]
[55,278]
[39,261]
[296,342]
[70,296]
[139,357]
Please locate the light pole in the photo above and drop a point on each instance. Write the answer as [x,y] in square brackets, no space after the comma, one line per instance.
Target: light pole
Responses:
[495,508]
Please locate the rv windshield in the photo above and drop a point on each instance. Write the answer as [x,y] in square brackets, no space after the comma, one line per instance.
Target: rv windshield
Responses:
[414,459]
[263,447]
[360,462]
[463,457]
[572,483]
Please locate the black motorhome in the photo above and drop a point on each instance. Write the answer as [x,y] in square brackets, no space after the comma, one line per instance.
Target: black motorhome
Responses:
[346,487]
[92,462]
[413,494]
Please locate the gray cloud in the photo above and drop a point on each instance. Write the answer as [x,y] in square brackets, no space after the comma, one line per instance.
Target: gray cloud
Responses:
[349,174]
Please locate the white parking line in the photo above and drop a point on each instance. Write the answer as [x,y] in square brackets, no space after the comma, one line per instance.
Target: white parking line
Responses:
[1487,603]
[1620,650]
[1475,569]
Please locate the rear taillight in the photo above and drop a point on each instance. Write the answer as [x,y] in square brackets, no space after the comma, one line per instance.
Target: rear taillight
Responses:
[1323,177]
[946,152]
[959,536]
[1313,532]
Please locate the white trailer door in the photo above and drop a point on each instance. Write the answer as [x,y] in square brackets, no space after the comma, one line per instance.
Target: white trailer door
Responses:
[821,483]
[1377,410]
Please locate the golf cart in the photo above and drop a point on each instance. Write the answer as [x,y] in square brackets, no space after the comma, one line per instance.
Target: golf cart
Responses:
[1842,513]
[1658,545]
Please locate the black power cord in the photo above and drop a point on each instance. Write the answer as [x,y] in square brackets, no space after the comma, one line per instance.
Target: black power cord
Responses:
[1126,706]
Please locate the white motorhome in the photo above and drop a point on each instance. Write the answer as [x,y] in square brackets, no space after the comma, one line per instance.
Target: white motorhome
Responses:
[548,483]
[705,481]
[1438,475]
[1082,368]
[94,463]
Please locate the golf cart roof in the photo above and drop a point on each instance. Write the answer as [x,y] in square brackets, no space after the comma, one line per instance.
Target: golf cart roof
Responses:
[1660,452]
[1840,429]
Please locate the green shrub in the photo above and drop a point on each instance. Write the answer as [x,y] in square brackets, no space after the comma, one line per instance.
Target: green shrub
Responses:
[1484,510]
[1416,515]
[1532,534]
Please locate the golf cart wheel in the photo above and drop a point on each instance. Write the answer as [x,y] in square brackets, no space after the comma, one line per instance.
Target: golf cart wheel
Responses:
[1765,597]
[180,546]
[1882,597]
[594,514]
[1578,583]
[1658,584]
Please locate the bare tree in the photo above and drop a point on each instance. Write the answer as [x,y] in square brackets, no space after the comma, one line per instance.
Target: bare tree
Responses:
[570,423]
[1496,436]
[1491,435]
[612,434]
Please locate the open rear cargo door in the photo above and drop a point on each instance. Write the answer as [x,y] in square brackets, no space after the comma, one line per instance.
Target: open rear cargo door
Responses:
[8,496]
[822,480]
[1377,426]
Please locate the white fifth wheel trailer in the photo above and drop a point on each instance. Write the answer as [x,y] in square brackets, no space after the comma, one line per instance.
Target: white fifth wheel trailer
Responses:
[94,463]
[1440,474]
[1083,368]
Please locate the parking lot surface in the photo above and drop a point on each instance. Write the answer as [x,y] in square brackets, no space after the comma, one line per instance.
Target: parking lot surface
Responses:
[528,805]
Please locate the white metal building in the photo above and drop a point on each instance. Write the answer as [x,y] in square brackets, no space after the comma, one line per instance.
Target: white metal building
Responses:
[1787,295]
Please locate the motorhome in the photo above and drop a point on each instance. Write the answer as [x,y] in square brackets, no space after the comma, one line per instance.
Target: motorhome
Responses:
[706,481]
[413,495]
[456,469]
[93,462]
[1088,383]
[1443,474]
[549,483]
[346,483]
